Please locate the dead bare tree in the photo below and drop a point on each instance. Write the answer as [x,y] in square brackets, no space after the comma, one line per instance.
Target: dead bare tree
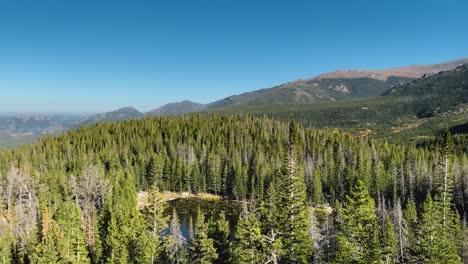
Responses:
[21,204]
[89,191]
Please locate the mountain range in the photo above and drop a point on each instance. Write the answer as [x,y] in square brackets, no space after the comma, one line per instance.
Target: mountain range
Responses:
[332,92]
[336,86]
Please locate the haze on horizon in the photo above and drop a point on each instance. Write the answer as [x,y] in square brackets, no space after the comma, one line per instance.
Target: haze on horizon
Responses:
[84,56]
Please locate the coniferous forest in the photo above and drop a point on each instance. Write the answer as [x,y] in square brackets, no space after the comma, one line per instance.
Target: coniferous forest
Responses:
[307,195]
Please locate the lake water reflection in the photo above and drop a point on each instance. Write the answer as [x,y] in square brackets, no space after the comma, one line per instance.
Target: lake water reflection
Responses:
[187,209]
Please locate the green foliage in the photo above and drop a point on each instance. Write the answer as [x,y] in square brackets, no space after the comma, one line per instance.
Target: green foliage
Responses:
[219,232]
[248,245]
[433,244]
[155,222]
[388,241]
[89,179]
[69,220]
[358,228]
[317,195]
[202,250]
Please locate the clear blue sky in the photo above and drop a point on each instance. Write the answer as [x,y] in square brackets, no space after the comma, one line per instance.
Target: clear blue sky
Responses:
[93,56]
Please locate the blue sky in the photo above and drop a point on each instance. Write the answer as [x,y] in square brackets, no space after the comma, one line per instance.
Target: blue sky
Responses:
[93,56]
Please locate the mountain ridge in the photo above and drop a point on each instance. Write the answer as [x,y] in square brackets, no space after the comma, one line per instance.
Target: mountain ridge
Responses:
[336,86]
[120,114]
[177,108]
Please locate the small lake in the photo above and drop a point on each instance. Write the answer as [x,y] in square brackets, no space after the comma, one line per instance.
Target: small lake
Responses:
[187,209]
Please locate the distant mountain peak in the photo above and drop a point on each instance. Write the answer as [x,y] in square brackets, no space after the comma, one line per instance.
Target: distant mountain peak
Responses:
[126,108]
[120,114]
[177,108]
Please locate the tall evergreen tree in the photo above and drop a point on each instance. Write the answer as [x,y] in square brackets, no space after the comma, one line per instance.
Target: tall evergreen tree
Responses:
[388,241]
[356,239]
[70,222]
[433,244]
[317,195]
[142,243]
[202,250]
[50,247]
[293,217]
[219,232]
[114,248]
[153,214]
[248,245]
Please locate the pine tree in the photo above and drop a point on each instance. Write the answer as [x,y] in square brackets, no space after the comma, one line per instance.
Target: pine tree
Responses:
[153,214]
[269,215]
[293,210]
[154,171]
[356,240]
[411,217]
[388,241]
[114,248]
[70,222]
[175,243]
[219,232]
[433,246]
[142,243]
[317,195]
[248,245]
[202,250]
[50,248]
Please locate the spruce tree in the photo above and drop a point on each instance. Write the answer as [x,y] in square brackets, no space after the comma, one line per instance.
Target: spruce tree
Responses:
[202,250]
[388,241]
[293,217]
[50,247]
[411,217]
[155,219]
[219,232]
[317,195]
[70,222]
[114,249]
[433,244]
[142,243]
[248,245]
[357,229]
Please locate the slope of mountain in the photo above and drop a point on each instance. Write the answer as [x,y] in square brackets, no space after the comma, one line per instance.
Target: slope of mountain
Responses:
[313,91]
[32,124]
[413,71]
[421,107]
[178,108]
[117,115]
[435,94]
[21,129]
[336,86]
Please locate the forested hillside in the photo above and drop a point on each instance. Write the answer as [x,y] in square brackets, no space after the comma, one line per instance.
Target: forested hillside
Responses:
[311,195]
[422,107]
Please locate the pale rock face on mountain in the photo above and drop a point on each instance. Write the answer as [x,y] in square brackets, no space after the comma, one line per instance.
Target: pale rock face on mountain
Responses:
[413,71]
[336,86]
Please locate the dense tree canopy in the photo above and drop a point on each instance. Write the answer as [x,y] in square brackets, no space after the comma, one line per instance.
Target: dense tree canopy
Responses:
[72,198]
